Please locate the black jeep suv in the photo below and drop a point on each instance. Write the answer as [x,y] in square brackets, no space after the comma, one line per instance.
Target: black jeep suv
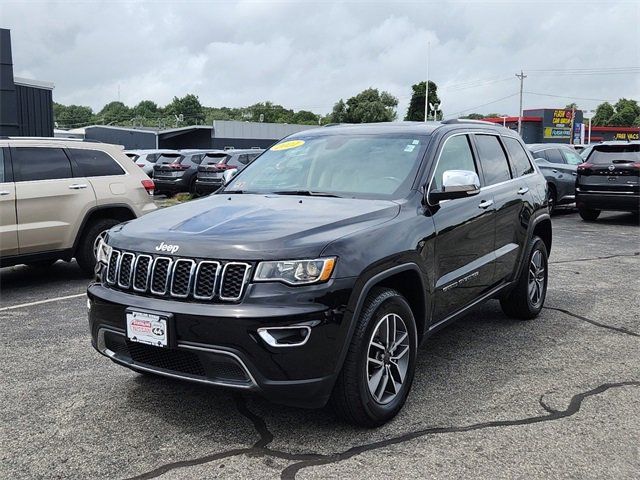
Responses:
[316,272]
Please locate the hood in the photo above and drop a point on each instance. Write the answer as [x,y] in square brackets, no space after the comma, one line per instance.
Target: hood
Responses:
[251,227]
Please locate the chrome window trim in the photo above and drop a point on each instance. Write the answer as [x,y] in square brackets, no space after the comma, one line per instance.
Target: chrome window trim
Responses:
[173,271]
[135,270]
[215,280]
[115,279]
[244,281]
[133,261]
[153,272]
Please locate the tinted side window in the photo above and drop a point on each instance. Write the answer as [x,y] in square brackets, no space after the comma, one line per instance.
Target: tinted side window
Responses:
[554,156]
[34,163]
[94,163]
[572,158]
[455,155]
[197,159]
[493,160]
[519,158]
[2,165]
[539,154]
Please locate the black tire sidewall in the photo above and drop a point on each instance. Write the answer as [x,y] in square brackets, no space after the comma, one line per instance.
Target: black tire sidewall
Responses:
[381,413]
[84,254]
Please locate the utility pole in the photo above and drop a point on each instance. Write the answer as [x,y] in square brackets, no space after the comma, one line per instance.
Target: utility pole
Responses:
[426,92]
[573,116]
[522,76]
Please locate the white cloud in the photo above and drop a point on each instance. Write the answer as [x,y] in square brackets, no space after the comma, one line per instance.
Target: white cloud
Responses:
[308,54]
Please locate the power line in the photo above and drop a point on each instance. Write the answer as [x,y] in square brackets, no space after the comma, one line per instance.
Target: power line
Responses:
[570,98]
[480,106]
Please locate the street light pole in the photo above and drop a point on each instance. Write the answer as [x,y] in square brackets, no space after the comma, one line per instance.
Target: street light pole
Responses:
[426,87]
[522,76]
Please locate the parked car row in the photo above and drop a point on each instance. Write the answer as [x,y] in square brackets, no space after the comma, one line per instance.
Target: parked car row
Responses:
[604,176]
[197,171]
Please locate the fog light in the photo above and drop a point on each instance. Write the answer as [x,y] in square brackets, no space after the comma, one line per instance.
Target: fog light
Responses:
[292,336]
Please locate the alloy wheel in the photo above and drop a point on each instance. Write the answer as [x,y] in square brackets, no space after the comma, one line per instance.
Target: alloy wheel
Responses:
[96,242]
[537,278]
[388,358]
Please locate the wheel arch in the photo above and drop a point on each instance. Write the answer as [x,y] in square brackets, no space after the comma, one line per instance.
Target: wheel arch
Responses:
[122,212]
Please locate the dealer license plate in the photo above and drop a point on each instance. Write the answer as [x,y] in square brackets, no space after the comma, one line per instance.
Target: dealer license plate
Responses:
[147,328]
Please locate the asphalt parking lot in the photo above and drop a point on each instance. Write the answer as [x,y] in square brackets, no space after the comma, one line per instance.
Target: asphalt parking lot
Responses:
[556,397]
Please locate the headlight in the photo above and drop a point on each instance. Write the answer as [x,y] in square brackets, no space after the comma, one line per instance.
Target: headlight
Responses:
[103,252]
[296,272]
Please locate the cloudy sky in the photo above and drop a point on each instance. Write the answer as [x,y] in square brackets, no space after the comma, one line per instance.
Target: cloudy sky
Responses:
[308,54]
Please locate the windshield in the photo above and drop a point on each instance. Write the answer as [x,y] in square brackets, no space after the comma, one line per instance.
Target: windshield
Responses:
[608,154]
[358,166]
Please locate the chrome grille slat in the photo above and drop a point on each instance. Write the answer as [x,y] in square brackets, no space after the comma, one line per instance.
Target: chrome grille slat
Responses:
[180,278]
[204,286]
[230,289]
[125,270]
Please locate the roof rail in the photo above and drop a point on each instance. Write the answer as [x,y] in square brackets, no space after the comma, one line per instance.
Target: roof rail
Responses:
[54,139]
[466,120]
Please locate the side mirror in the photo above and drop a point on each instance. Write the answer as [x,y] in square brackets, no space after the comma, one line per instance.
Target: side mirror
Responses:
[457,184]
[228,175]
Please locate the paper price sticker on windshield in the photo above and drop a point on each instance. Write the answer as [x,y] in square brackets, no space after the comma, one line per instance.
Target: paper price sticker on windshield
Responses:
[287,145]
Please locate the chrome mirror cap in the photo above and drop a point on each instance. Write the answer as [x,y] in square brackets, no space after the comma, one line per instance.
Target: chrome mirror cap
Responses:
[460,181]
[228,175]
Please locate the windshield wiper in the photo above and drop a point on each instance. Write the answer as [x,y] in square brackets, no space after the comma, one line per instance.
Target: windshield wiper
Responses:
[307,193]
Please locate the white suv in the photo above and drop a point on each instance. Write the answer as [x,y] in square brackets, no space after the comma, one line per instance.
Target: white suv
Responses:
[58,197]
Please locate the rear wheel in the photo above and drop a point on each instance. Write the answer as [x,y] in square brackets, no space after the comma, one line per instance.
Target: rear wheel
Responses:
[527,298]
[378,371]
[86,252]
[588,214]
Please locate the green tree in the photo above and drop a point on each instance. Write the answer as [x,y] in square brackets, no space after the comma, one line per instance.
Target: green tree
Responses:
[473,116]
[571,105]
[188,106]
[339,112]
[113,113]
[626,112]
[366,107]
[415,112]
[147,109]
[305,117]
[72,116]
[604,112]
[271,113]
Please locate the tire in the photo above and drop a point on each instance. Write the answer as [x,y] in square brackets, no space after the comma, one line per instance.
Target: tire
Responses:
[588,214]
[85,254]
[552,199]
[522,302]
[192,187]
[352,398]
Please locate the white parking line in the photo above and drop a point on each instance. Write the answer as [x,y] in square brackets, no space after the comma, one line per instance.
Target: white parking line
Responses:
[39,302]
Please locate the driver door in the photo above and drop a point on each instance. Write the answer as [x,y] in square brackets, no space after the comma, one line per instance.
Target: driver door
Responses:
[465,235]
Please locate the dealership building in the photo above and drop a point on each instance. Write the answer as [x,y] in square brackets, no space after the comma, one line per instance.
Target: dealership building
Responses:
[554,125]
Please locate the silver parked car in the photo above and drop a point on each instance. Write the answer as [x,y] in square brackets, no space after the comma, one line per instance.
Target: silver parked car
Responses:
[558,163]
[146,159]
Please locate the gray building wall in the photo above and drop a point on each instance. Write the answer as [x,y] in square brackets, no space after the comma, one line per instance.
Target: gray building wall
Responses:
[34,111]
[131,139]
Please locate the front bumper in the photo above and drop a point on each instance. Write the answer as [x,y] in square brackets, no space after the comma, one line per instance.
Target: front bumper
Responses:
[625,202]
[218,344]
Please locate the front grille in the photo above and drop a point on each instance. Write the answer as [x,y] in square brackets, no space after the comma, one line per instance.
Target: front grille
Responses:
[182,278]
[175,360]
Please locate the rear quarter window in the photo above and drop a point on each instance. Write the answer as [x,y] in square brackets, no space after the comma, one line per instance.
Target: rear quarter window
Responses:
[519,158]
[95,163]
[609,154]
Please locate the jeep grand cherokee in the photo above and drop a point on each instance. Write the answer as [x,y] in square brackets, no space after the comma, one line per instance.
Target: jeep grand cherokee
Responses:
[314,274]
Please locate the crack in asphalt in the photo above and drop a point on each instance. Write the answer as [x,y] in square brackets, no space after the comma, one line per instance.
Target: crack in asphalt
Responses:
[307,460]
[634,254]
[594,322]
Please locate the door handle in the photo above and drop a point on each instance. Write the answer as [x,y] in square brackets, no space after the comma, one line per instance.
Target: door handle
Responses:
[485,204]
[574,174]
[4,192]
[523,190]
[77,186]
[554,170]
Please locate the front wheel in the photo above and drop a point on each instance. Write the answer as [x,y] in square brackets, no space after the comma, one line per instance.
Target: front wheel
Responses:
[378,371]
[527,298]
[88,246]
